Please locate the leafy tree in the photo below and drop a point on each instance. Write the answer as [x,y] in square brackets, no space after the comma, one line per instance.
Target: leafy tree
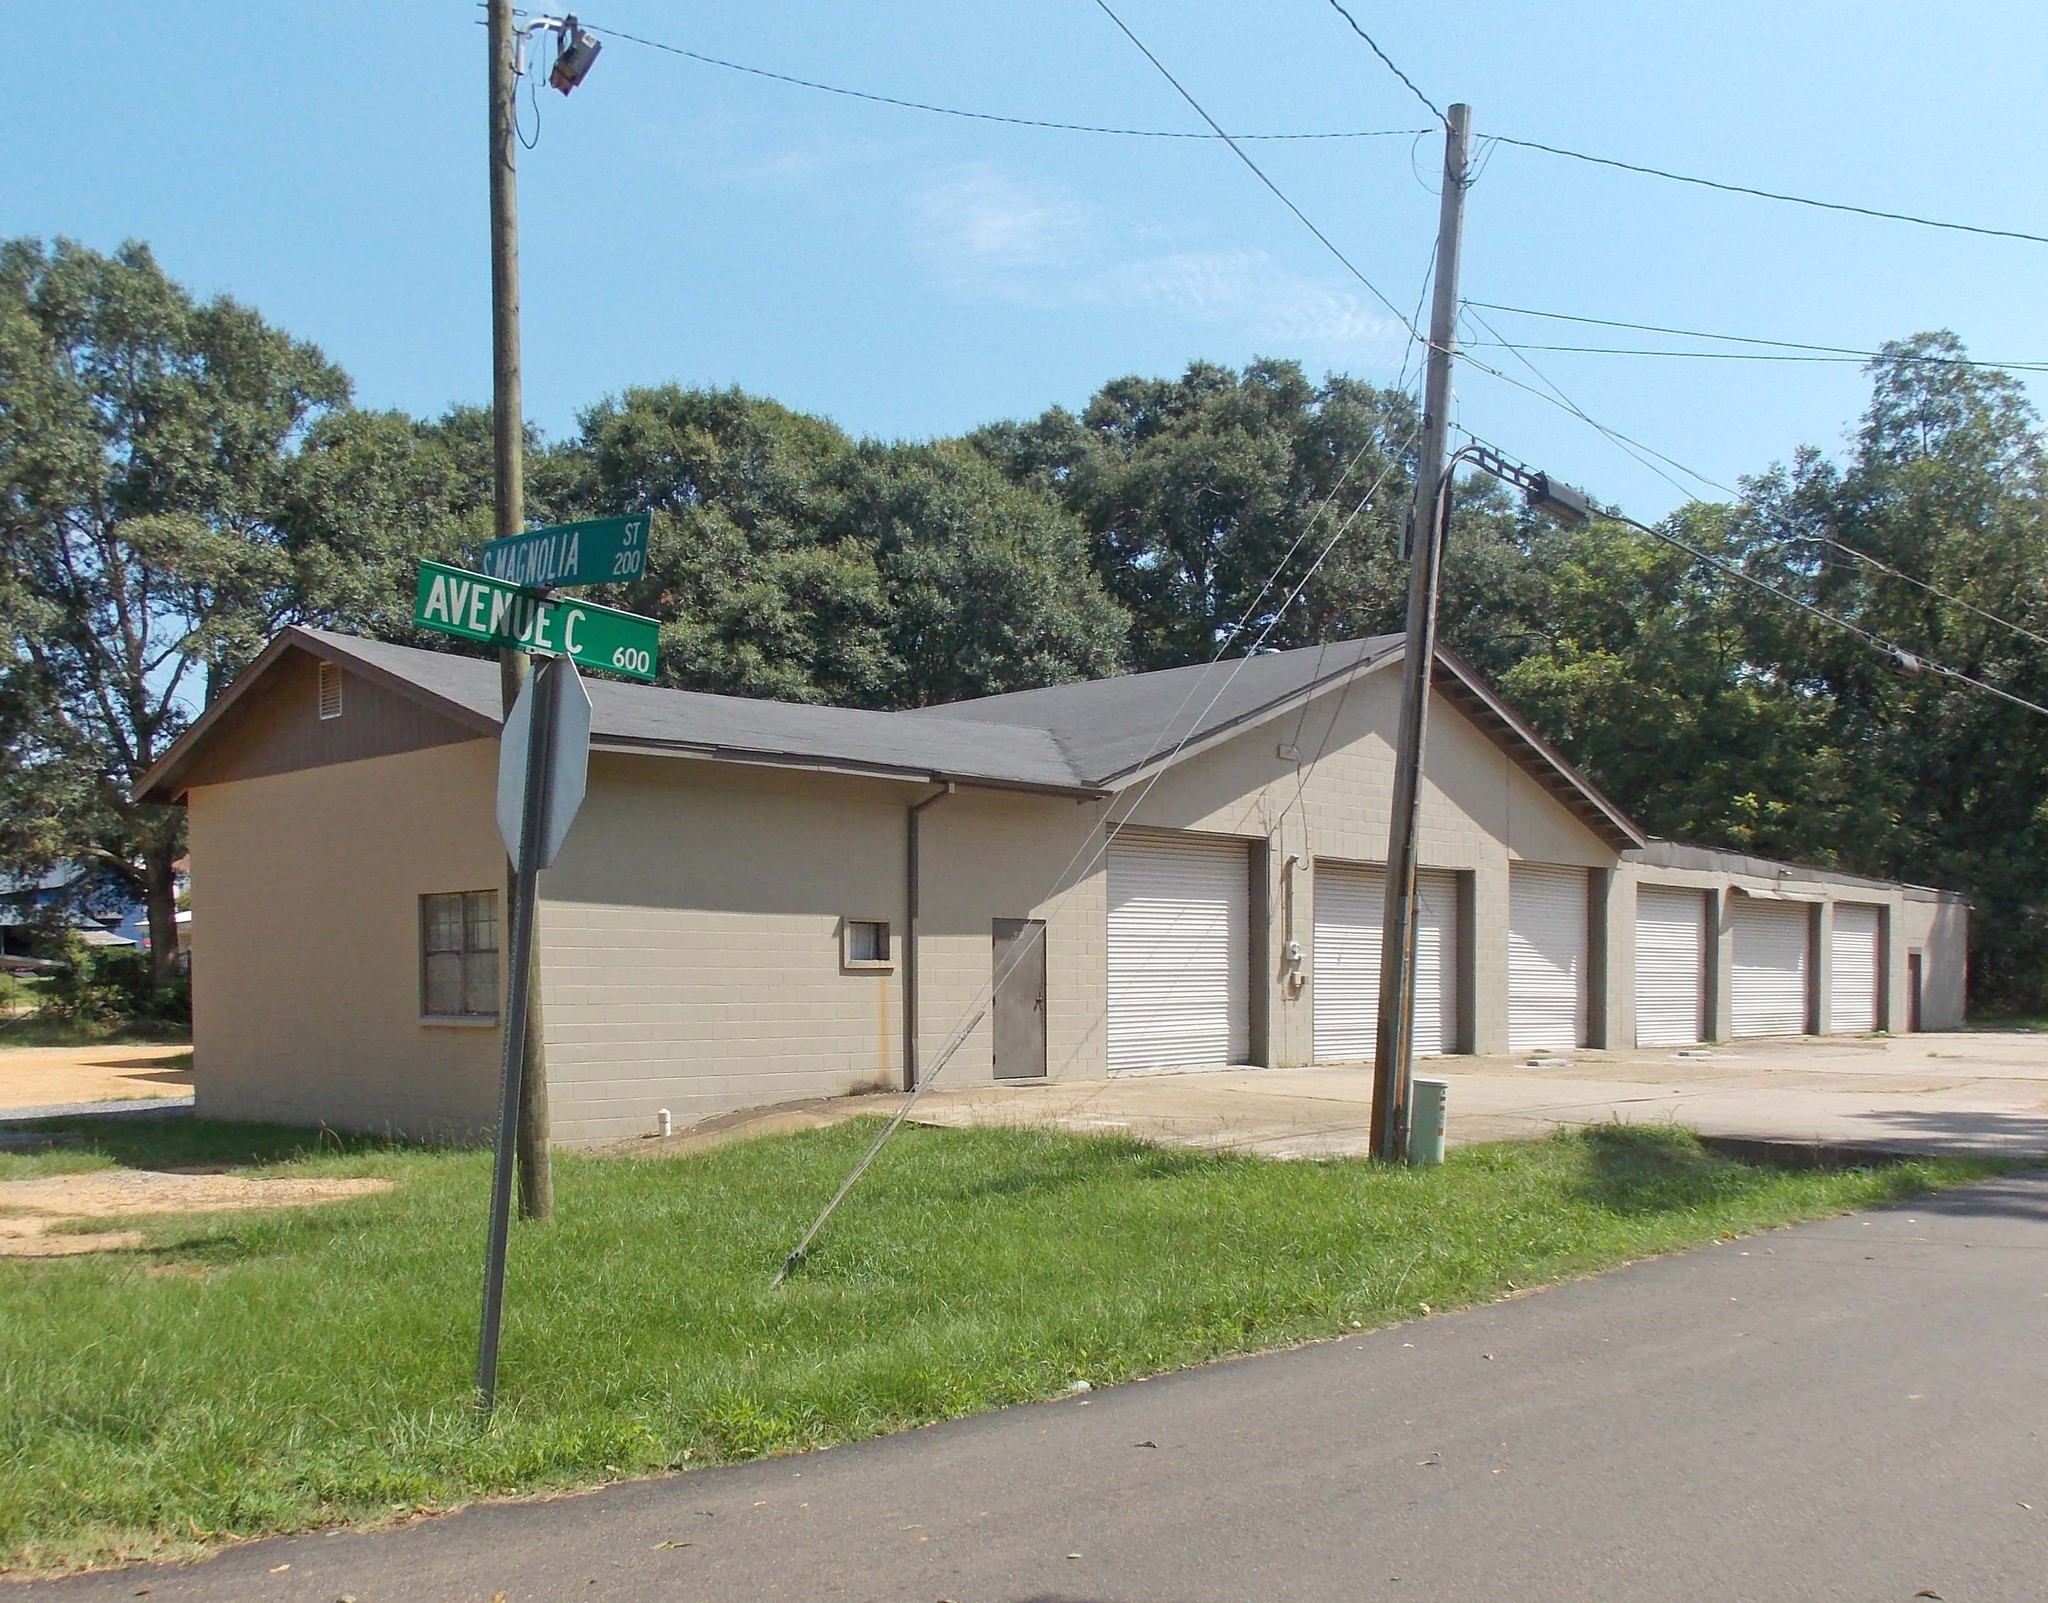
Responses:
[785,561]
[177,480]
[1193,490]
[1947,486]
[1648,676]
[988,588]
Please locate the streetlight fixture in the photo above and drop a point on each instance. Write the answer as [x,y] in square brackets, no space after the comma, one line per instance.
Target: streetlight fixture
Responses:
[1556,500]
[576,48]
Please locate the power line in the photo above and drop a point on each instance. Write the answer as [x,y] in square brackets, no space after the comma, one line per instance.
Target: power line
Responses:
[1388,61]
[876,98]
[982,116]
[1856,358]
[1852,351]
[1772,194]
[1732,339]
[1259,173]
[1899,657]
[1634,448]
[1626,442]
[1884,567]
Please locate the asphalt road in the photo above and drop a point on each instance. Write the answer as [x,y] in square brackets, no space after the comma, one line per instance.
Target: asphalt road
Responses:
[1856,1409]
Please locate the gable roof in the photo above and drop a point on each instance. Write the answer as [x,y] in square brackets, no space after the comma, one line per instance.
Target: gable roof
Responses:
[1086,739]
[1118,731]
[628,717]
[1113,730]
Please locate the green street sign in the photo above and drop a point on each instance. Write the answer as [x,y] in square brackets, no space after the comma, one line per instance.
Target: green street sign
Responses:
[472,606]
[595,551]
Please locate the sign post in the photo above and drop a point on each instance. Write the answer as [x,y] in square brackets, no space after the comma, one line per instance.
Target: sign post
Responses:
[543,761]
[543,757]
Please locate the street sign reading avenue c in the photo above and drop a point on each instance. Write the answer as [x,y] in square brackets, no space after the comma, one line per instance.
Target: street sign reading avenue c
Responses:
[595,551]
[471,606]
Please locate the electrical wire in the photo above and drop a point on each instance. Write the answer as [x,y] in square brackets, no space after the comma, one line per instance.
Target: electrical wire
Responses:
[1555,396]
[906,104]
[980,116]
[1881,566]
[1421,298]
[1896,655]
[1388,62]
[1772,194]
[1258,172]
[978,1008]
[1627,443]
[533,98]
[1858,358]
[1744,339]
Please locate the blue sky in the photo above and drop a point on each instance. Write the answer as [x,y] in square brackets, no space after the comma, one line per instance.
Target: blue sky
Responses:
[911,275]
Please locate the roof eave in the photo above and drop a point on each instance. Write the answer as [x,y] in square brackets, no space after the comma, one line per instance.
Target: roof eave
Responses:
[162,782]
[1578,793]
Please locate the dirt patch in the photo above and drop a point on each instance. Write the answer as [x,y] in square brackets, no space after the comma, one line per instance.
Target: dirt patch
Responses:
[45,1076]
[46,1238]
[36,1215]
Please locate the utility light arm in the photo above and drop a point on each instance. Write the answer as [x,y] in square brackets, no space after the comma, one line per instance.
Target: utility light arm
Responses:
[576,47]
[1556,500]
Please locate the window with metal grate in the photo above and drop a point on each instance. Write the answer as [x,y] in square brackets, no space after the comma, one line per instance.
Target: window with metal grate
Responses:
[459,955]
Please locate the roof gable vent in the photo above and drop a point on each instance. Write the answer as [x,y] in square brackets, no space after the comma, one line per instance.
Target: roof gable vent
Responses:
[330,690]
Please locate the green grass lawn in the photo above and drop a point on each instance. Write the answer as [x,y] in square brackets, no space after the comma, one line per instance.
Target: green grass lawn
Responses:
[38,1029]
[246,1373]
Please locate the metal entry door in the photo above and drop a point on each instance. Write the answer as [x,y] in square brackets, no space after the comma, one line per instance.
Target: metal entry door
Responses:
[1019,1011]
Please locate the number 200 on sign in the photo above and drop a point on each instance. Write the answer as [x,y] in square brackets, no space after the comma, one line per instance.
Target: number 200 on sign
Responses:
[630,660]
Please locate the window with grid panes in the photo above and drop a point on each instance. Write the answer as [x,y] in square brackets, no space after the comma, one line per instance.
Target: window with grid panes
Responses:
[459,955]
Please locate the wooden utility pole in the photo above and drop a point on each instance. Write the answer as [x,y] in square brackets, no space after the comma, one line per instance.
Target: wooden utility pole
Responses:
[1394,1036]
[508,441]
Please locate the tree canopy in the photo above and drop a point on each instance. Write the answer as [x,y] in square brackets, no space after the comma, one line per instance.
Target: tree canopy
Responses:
[179,479]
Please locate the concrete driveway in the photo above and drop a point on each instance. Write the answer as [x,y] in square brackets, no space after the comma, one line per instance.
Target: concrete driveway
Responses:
[1957,1093]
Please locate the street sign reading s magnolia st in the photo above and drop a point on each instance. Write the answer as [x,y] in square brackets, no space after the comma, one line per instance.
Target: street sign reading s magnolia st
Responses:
[569,555]
[472,606]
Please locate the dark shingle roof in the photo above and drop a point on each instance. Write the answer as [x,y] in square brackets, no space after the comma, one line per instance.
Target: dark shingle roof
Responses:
[1108,728]
[1087,738]
[626,715]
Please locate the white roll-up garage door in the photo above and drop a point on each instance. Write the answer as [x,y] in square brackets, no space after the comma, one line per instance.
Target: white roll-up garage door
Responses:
[1852,970]
[1671,965]
[1179,954]
[1768,987]
[1350,914]
[1546,957]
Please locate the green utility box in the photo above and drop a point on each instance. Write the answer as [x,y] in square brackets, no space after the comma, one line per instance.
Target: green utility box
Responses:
[1426,1121]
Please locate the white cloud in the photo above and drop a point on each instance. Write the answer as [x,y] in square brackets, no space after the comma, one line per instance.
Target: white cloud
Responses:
[977,223]
[1251,289]
[987,236]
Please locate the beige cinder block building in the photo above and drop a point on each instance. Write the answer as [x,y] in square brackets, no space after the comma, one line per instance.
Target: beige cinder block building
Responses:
[763,901]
